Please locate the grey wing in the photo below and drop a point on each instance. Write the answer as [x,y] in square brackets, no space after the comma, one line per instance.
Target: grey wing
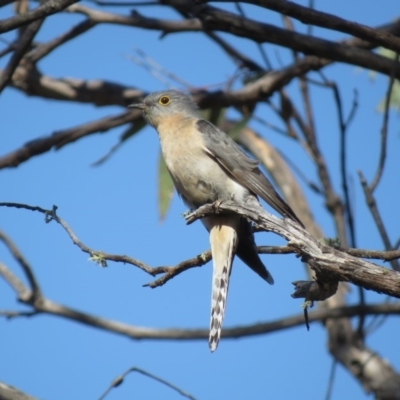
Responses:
[241,168]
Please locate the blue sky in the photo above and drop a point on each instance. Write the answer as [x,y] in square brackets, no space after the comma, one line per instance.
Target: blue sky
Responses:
[114,208]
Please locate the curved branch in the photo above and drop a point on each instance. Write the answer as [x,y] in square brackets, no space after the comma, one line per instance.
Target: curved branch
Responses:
[46,306]
[24,265]
[332,264]
[61,138]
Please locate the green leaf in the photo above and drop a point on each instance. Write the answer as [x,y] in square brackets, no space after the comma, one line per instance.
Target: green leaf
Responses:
[132,129]
[165,188]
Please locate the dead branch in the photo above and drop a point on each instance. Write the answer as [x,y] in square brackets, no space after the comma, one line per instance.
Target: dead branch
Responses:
[20,49]
[62,138]
[120,378]
[313,17]
[137,20]
[217,19]
[28,271]
[8,392]
[47,306]
[47,8]
[331,264]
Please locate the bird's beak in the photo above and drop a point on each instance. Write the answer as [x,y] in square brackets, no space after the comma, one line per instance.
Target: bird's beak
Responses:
[140,106]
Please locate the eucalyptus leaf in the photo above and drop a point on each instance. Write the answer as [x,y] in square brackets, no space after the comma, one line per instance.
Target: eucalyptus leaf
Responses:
[165,188]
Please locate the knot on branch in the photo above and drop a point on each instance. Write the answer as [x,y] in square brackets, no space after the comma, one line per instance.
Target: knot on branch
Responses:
[314,290]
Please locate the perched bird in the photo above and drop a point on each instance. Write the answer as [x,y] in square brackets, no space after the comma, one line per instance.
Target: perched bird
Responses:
[206,165]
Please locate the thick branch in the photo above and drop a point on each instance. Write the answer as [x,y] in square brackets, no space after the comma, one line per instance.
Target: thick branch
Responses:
[8,392]
[323,259]
[135,332]
[98,92]
[62,138]
[216,19]
[324,20]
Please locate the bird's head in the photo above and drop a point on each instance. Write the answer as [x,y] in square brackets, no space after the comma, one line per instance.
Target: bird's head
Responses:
[160,105]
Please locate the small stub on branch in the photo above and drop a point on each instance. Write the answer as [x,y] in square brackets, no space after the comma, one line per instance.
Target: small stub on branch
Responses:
[313,291]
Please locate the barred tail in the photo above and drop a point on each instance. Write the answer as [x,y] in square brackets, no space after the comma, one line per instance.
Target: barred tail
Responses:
[223,240]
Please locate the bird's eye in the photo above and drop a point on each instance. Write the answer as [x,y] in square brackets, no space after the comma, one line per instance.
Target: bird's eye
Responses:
[164,100]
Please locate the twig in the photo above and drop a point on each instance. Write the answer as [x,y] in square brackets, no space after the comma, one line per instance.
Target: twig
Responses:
[126,3]
[371,203]
[259,45]
[382,156]
[333,201]
[44,49]
[157,70]
[242,60]
[329,389]
[343,172]
[343,159]
[239,58]
[171,272]
[23,293]
[20,48]
[23,263]
[309,183]
[48,8]
[119,379]
[97,256]
[14,314]
[373,254]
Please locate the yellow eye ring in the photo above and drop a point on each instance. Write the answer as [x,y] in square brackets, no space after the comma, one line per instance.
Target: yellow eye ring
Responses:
[164,100]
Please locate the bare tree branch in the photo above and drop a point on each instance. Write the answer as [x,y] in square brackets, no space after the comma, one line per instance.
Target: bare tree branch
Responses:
[97,256]
[46,306]
[140,333]
[324,260]
[137,20]
[8,392]
[98,92]
[216,19]
[382,156]
[313,17]
[23,263]
[48,8]
[120,378]
[44,49]
[371,203]
[62,138]
[20,48]
[23,293]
